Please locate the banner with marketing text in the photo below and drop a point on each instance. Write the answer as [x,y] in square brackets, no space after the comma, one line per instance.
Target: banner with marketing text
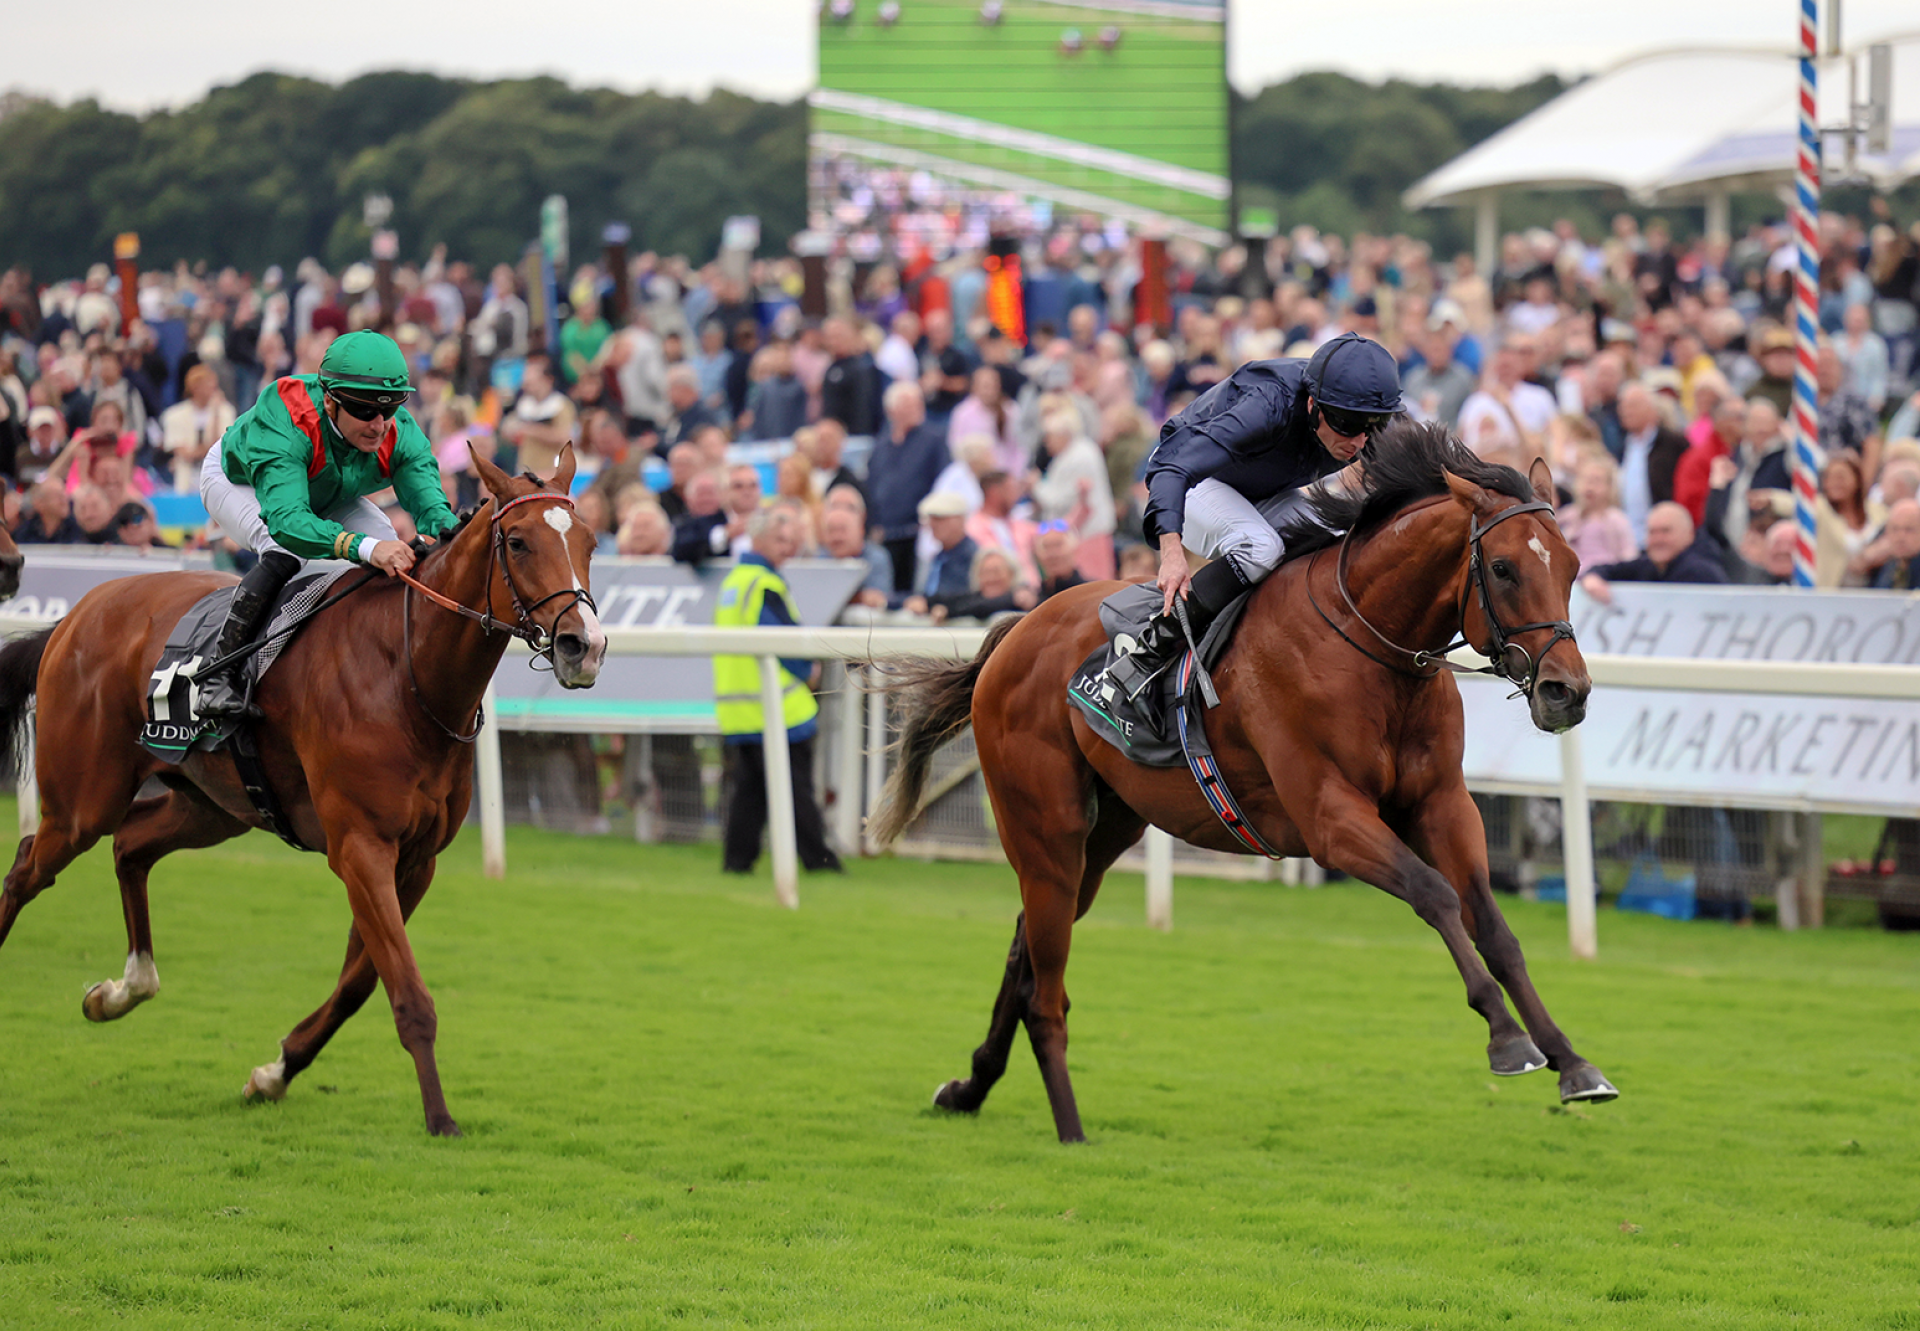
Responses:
[1691,747]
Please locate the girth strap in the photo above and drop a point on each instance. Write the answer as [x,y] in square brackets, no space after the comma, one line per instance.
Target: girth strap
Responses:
[1193,743]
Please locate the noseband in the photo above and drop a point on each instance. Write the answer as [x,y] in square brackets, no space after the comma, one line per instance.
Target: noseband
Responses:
[1500,650]
[523,626]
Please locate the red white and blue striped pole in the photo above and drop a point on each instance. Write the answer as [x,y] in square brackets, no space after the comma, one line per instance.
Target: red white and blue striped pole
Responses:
[1806,301]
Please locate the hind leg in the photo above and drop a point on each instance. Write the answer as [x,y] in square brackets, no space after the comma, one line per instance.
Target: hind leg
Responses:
[357,980]
[177,820]
[86,786]
[1009,1010]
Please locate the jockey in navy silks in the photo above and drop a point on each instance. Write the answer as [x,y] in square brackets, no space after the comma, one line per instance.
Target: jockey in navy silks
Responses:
[1226,470]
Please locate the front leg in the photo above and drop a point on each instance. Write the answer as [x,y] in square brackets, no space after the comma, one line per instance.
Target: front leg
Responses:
[1348,834]
[366,862]
[1448,833]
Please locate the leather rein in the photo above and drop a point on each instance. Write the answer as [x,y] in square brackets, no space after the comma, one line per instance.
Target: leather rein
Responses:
[523,628]
[1501,647]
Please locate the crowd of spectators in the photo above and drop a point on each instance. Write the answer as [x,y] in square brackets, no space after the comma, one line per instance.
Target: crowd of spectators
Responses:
[974,475]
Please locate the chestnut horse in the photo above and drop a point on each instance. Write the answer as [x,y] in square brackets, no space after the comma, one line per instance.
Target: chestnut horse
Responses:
[367,718]
[1339,741]
[11,562]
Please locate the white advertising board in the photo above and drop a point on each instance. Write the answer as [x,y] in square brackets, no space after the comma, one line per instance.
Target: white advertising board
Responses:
[1835,754]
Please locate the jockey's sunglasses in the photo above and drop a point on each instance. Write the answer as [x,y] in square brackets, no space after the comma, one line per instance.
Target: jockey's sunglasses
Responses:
[1352,423]
[362,410]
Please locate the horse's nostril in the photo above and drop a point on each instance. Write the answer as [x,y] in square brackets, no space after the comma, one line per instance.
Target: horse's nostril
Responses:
[570,645]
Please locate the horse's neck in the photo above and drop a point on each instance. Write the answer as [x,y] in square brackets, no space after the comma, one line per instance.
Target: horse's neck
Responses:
[1407,577]
[453,656]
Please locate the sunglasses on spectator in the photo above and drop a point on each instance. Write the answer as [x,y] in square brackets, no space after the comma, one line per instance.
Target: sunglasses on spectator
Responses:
[1050,526]
[1352,423]
[362,410]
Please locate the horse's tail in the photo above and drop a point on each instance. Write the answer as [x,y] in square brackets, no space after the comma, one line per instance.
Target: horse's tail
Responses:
[939,704]
[19,677]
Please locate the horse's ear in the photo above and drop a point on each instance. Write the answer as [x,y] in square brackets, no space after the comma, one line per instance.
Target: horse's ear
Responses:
[1540,476]
[496,481]
[563,474]
[1468,495]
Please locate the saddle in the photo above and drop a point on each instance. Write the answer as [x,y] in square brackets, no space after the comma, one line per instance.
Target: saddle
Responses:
[174,727]
[1162,727]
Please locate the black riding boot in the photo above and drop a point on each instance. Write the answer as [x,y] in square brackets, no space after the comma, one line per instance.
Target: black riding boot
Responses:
[1161,642]
[223,695]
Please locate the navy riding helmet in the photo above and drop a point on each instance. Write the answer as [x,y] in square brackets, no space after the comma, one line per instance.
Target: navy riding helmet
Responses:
[1355,384]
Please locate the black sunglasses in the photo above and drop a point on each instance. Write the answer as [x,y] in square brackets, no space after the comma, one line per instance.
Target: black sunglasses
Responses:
[1352,423]
[362,410]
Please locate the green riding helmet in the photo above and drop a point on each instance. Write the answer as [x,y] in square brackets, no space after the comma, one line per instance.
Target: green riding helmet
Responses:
[366,366]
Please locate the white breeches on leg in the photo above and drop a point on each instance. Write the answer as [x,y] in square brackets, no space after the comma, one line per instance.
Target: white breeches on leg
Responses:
[237,509]
[1222,523]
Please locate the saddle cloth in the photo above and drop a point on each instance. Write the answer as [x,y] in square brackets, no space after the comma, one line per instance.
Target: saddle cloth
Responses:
[1146,729]
[173,727]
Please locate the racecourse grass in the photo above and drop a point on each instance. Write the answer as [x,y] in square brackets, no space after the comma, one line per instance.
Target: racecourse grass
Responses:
[687,1107]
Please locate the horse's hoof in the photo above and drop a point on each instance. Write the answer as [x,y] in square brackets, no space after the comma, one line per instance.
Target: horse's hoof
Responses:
[267,1083]
[445,1129]
[94,1006]
[1586,1083]
[1515,1057]
[947,1097]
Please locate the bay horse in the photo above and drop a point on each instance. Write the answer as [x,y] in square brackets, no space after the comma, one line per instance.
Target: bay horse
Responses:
[367,719]
[1337,729]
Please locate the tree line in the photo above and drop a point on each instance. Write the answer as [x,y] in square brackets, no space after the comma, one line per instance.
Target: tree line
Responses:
[276,167]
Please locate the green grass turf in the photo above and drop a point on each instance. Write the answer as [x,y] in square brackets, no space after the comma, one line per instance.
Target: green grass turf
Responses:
[687,1107]
[1161,95]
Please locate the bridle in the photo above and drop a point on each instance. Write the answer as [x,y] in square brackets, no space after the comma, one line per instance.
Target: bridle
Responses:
[524,628]
[1509,660]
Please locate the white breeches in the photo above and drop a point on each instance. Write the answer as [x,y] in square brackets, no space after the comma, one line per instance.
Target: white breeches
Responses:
[237,509]
[1222,523]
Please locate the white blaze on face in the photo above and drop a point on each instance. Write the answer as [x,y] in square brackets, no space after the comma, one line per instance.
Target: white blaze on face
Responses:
[1546,560]
[557,517]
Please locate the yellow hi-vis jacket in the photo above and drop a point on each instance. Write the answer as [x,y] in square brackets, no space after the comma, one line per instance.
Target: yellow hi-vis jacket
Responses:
[753,594]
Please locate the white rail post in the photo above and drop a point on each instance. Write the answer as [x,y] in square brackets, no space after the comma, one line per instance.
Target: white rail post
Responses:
[1159,880]
[786,858]
[1576,839]
[493,800]
[28,782]
[876,761]
[847,775]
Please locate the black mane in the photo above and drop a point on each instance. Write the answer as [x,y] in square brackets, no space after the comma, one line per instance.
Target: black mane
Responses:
[1405,463]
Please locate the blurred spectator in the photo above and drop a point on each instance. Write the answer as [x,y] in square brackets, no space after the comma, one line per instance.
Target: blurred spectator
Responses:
[738,378]
[1863,357]
[1505,420]
[1775,383]
[46,436]
[793,482]
[1771,561]
[645,531]
[93,510]
[972,459]
[951,566]
[581,337]
[1439,386]
[1844,521]
[192,426]
[640,371]
[993,523]
[1708,438]
[1058,551]
[701,532]
[500,329]
[994,587]
[683,461]
[606,458]
[1901,571]
[51,520]
[897,358]
[1846,422]
[987,411]
[843,535]
[907,458]
[686,412]
[134,525]
[1594,524]
[776,402]
[945,370]
[1650,455]
[829,459]
[1074,489]
[1671,555]
[850,387]
[542,421]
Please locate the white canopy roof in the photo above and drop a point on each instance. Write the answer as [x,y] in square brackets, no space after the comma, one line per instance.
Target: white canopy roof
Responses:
[1678,124]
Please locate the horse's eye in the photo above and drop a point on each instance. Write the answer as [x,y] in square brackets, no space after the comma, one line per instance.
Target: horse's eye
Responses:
[1503,570]
[515,544]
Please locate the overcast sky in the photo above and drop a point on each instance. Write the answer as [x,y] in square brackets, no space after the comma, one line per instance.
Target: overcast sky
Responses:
[136,54]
